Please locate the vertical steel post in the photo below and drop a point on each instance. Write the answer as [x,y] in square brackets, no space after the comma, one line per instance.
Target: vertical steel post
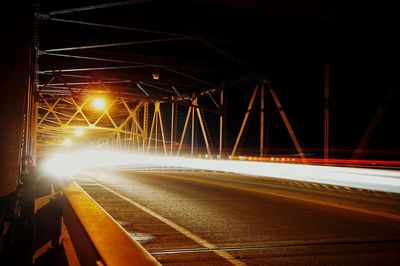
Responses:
[35,130]
[136,141]
[118,140]
[162,128]
[27,123]
[245,120]
[192,140]
[262,122]
[151,130]
[156,129]
[125,137]
[137,137]
[221,124]
[145,124]
[172,125]
[326,112]
[133,135]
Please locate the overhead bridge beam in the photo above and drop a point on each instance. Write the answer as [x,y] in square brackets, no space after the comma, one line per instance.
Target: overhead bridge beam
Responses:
[106,45]
[94,7]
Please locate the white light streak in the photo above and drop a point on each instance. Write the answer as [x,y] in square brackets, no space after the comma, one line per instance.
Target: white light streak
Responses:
[70,164]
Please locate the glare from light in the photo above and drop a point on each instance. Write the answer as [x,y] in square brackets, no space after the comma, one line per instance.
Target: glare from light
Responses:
[72,163]
[99,103]
[374,179]
[67,142]
[78,132]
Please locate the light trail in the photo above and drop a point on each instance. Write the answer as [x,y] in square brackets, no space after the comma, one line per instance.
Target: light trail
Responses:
[331,161]
[72,163]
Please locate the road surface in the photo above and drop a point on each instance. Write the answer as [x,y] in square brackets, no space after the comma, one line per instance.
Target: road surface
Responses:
[210,218]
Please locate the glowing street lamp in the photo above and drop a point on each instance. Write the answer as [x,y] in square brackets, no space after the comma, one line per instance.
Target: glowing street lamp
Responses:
[99,103]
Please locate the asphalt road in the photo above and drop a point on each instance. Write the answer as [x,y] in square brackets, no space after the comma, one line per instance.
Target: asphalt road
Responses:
[209,218]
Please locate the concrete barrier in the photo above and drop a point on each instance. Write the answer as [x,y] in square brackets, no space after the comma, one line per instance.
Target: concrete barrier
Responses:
[97,239]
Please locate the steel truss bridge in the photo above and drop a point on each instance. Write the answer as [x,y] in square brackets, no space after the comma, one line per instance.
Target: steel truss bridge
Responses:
[187,78]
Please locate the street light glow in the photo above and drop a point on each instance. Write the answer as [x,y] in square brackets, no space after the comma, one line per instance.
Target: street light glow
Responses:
[99,103]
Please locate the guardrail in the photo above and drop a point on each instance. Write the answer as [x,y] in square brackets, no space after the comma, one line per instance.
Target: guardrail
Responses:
[97,239]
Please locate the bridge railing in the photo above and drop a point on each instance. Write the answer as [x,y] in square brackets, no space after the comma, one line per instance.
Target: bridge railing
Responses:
[96,238]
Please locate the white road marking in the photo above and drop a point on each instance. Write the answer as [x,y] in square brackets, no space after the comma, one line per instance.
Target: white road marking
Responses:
[179,228]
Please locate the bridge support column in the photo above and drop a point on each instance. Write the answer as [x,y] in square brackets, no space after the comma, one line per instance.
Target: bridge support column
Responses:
[14,84]
[262,122]
[16,145]
[221,124]
[172,126]
[326,112]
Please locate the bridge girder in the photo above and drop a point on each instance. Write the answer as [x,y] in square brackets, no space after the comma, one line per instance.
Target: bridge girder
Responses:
[59,117]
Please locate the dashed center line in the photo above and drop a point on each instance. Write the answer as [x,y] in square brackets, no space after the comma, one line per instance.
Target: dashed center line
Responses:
[224,254]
